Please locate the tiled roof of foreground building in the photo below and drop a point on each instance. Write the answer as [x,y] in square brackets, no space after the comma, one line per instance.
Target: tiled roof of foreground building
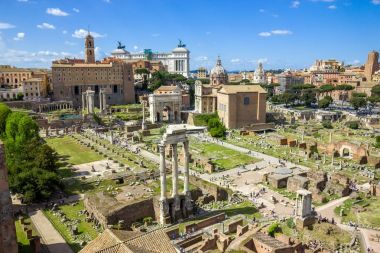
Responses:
[118,241]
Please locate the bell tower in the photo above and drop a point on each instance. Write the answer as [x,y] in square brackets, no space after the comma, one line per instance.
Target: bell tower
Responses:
[89,49]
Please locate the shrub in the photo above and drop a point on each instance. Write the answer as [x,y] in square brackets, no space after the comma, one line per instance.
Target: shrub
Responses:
[274,228]
[327,124]
[353,125]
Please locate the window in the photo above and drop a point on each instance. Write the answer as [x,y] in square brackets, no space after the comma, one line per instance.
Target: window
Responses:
[246,101]
[76,90]
[115,89]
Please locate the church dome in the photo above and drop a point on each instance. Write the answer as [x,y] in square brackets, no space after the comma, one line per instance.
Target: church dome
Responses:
[218,69]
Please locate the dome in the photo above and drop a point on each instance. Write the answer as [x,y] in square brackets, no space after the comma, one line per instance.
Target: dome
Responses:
[119,51]
[218,69]
[180,50]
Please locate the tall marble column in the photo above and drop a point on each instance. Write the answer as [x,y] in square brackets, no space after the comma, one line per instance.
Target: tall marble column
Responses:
[90,102]
[174,170]
[83,101]
[162,171]
[186,172]
[101,101]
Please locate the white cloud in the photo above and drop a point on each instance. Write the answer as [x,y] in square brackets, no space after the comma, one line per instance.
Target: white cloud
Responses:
[332,7]
[76,10]
[6,26]
[22,1]
[265,34]
[325,1]
[201,58]
[19,36]
[46,26]
[275,32]
[354,62]
[376,2]
[295,4]
[64,32]
[107,1]
[135,47]
[70,43]
[82,33]
[262,60]
[237,60]
[56,12]
[281,32]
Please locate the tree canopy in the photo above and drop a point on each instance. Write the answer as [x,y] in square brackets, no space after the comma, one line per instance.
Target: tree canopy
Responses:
[32,164]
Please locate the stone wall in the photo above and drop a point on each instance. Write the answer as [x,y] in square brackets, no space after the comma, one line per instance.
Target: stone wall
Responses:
[8,241]
[219,193]
[205,223]
[232,227]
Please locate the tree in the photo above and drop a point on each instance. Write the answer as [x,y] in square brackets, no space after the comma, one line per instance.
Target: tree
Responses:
[4,113]
[324,102]
[377,144]
[326,88]
[20,96]
[273,228]
[32,165]
[144,73]
[358,102]
[327,124]
[375,91]
[216,128]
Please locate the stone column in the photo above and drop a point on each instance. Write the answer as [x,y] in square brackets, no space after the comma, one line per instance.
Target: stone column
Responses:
[162,171]
[83,101]
[186,188]
[104,101]
[90,98]
[174,170]
[164,208]
[101,101]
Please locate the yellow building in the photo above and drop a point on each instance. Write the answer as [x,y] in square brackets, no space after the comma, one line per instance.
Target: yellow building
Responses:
[12,77]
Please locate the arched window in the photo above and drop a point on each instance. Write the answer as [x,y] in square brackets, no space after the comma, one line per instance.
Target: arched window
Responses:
[246,101]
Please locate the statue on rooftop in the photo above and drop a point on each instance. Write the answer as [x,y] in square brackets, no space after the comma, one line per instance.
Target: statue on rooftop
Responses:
[120,46]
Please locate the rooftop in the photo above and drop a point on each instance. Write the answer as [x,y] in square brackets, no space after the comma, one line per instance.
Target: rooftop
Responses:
[233,89]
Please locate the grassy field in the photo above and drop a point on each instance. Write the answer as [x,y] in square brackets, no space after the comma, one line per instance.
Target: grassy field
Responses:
[224,158]
[71,151]
[22,240]
[364,212]
[72,212]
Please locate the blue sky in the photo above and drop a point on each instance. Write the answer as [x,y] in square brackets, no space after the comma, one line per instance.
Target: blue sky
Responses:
[280,33]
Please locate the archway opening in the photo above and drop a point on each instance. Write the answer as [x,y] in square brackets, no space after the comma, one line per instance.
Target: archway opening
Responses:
[166,114]
[346,153]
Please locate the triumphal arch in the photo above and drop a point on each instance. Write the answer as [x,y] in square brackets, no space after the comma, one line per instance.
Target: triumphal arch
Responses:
[165,105]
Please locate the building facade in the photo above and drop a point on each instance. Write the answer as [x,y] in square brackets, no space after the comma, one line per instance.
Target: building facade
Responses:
[176,62]
[12,77]
[72,77]
[35,89]
[241,105]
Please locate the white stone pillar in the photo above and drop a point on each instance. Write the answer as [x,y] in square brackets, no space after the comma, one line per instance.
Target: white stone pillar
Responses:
[186,188]
[174,170]
[83,101]
[91,102]
[101,101]
[162,171]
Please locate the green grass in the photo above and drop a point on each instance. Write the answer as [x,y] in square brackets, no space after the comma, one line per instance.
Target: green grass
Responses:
[364,212]
[22,239]
[245,208]
[71,151]
[224,158]
[72,212]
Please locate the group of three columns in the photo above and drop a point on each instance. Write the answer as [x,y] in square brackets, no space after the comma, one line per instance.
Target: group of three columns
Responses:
[175,195]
